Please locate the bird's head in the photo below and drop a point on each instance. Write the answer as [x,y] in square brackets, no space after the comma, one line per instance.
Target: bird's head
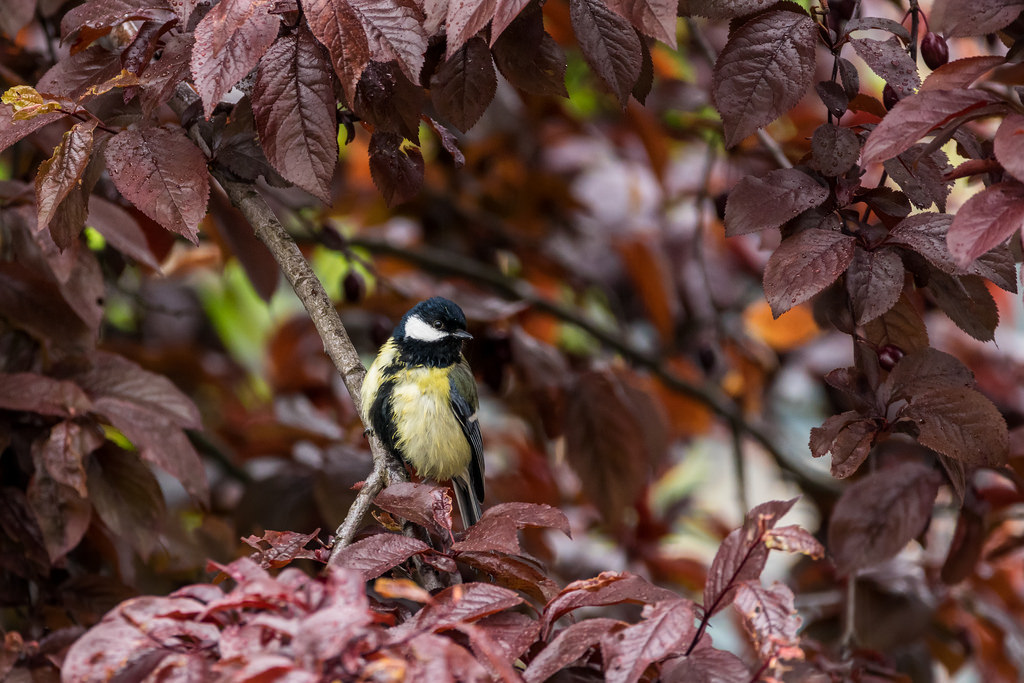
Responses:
[432,332]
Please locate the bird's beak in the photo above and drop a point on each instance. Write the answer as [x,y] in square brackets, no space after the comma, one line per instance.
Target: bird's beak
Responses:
[462,334]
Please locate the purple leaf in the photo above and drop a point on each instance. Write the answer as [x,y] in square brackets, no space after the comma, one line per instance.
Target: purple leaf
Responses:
[464,85]
[63,514]
[374,555]
[770,201]
[34,393]
[954,18]
[848,437]
[230,40]
[654,18]
[423,504]
[874,282]
[922,177]
[161,172]
[62,453]
[63,171]
[464,20]
[967,302]
[876,517]
[763,71]
[768,616]
[835,149]
[889,59]
[337,26]
[960,423]
[608,588]
[960,73]
[567,646]
[1009,145]
[397,170]
[293,104]
[121,230]
[805,264]
[609,44]
[126,496]
[666,629]
[539,71]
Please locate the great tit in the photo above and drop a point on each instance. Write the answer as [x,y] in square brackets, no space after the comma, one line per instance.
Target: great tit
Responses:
[420,398]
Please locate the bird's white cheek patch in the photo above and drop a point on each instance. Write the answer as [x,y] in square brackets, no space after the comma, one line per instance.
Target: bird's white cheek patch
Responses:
[416,328]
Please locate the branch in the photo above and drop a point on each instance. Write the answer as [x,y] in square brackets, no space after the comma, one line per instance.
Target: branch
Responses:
[307,286]
[444,262]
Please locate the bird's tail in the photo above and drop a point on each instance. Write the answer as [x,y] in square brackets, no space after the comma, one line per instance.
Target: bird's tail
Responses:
[469,506]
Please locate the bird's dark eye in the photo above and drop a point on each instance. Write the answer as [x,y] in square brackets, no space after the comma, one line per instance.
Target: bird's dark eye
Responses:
[437,324]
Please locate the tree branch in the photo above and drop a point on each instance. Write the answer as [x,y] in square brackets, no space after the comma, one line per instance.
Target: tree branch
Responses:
[444,262]
[307,286]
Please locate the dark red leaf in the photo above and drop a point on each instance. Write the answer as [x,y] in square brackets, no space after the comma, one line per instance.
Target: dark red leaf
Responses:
[706,665]
[953,18]
[464,85]
[793,539]
[921,177]
[126,496]
[986,220]
[667,628]
[874,282]
[835,149]
[534,515]
[460,604]
[539,70]
[374,555]
[121,230]
[1009,144]
[877,516]
[505,12]
[654,18]
[925,234]
[229,42]
[889,59]
[770,201]
[498,528]
[62,453]
[158,82]
[19,524]
[396,168]
[768,616]
[278,548]
[296,118]
[960,73]
[464,20]
[923,370]
[763,71]
[62,513]
[833,96]
[881,23]
[902,327]
[609,44]
[62,172]
[512,631]
[12,130]
[512,572]
[805,264]
[959,422]
[715,9]
[96,18]
[967,302]
[848,437]
[605,443]
[337,25]
[567,646]
[428,506]
[44,395]
[73,76]
[915,116]
[161,172]
[967,545]
[608,588]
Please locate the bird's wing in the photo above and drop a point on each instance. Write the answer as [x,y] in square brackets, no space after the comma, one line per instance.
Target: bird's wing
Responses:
[464,404]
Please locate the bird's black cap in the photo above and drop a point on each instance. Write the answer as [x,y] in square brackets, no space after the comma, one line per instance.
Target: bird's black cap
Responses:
[432,332]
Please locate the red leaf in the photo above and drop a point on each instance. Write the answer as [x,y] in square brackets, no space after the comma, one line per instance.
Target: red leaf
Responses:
[296,117]
[122,231]
[1009,144]
[889,59]
[394,31]
[667,628]
[505,12]
[61,455]
[961,423]
[742,555]
[336,24]
[835,149]
[609,44]
[770,201]
[567,646]
[374,555]
[768,616]
[986,220]
[539,71]
[94,19]
[512,572]
[763,71]
[925,233]
[874,282]
[44,395]
[915,116]
[161,172]
[397,169]
[461,604]
[706,665]
[158,82]
[229,42]
[63,171]
[716,9]
[848,437]
[922,177]
[876,517]
[960,73]
[967,302]
[12,130]
[126,496]
[793,539]
[922,370]
[954,18]
[511,631]
[423,504]
[389,100]
[464,85]
[655,18]
[608,588]
[534,515]
[804,265]
[62,513]
[464,20]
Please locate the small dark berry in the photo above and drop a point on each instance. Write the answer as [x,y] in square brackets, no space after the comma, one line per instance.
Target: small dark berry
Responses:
[353,286]
[889,96]
[934,50]
[888,356]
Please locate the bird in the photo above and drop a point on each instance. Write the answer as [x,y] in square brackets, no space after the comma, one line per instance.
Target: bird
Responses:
[420,398]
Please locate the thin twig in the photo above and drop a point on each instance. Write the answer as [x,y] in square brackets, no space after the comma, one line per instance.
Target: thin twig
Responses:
[849,636]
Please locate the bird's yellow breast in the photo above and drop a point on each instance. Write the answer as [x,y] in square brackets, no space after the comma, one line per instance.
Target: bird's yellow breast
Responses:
[429,435]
